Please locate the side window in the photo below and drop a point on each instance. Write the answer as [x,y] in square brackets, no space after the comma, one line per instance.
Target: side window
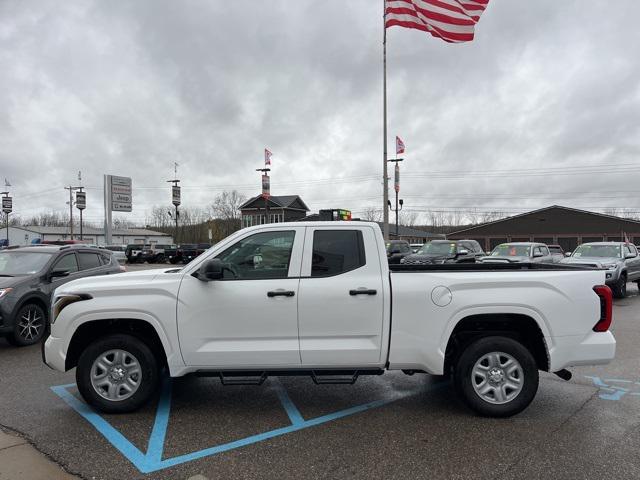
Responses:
[263,255]
[106,259]
[628,250]
[68,263]
[88,260]
[537,251]
[336,251]
[405,248]
[633,249]
[545,251]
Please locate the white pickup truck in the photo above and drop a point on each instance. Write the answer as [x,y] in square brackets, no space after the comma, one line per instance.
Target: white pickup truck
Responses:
[319,299]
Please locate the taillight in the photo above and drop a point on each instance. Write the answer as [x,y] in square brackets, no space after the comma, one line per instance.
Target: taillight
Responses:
[606,308]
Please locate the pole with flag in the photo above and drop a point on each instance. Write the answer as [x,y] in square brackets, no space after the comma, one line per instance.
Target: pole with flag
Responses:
[450,20]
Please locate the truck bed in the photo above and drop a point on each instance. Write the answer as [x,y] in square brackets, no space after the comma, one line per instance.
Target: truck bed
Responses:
[491,267]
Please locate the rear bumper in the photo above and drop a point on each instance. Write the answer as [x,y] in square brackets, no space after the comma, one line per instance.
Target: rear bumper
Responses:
[596,348]
[54,353]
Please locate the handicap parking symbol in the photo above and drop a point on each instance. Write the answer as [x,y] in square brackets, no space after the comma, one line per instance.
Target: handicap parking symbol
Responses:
[615,388]
[152,460]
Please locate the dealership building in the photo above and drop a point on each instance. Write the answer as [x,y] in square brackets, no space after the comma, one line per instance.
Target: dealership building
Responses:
[555,225]
[34,234]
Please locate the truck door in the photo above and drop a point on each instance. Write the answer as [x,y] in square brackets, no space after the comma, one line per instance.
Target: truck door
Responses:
[340,301]
[249,318]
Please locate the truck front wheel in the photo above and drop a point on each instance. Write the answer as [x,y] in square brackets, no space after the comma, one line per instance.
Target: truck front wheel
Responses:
[496,376]
[117,374]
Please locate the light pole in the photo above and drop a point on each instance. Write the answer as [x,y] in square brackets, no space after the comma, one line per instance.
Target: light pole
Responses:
[396,187]
[266,191]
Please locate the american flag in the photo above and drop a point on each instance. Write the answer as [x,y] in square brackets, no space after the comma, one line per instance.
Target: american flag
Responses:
[451,20]
[399,146]
[267,157]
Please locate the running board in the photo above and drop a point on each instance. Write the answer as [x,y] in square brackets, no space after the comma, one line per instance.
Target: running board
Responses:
[319,377]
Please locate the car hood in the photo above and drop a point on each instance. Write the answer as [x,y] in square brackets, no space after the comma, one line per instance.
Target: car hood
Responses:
[12,282]
[124,282]
[504,259]
[597,260]
[420,258]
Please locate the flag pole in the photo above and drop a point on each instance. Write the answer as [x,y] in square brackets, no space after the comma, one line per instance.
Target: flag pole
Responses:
[385,176]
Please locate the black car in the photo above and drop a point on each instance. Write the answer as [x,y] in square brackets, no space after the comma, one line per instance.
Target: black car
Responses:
[445,251]
[133,252]
[189,251]
[397,250]
[28,277]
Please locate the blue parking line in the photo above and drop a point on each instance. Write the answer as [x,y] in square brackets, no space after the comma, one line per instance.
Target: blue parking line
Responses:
[152,461]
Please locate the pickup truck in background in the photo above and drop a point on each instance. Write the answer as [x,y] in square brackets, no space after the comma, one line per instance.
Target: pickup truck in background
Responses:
[320,299]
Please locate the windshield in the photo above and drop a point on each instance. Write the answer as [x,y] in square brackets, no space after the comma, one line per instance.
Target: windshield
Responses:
[438,249]
[508,250]
[603,251]
[22,263]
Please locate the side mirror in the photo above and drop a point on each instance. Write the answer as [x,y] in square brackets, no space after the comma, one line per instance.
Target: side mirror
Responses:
[567,254]
[210,270]
[59,272]
[463,252]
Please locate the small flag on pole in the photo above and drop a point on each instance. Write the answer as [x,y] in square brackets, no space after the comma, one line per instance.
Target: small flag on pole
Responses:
[6,183]
[399,146]
[451,20]
[267,157]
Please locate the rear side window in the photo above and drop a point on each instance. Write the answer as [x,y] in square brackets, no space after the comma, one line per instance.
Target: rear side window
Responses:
[68,263]
[88,260]
[336,252]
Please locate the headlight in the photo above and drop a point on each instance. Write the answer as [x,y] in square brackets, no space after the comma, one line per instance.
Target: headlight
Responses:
[4,291]
[65,300]
[610,266]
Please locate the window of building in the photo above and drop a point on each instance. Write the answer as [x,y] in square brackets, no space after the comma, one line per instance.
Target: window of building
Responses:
[336,251]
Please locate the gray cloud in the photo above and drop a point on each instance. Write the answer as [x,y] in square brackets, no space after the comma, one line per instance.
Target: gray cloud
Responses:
[130,87]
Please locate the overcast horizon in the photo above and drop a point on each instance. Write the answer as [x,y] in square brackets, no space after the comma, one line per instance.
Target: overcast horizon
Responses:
[542,108]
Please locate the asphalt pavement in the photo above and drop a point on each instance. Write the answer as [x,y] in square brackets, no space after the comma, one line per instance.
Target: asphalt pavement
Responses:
[393,426]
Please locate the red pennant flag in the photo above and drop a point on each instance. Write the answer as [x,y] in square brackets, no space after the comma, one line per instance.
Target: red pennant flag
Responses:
[399,146]
[267,157]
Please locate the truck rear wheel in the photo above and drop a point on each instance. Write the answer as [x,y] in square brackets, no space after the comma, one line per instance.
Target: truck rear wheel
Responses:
[117,374]
[496,376]
[620,287]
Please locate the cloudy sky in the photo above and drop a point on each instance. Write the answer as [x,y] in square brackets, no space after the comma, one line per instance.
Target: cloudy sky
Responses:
[542,108]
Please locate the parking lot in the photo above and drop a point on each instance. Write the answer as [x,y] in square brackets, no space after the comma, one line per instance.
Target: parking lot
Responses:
[393,426]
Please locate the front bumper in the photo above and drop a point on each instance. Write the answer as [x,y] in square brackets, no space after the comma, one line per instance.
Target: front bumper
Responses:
[54,353]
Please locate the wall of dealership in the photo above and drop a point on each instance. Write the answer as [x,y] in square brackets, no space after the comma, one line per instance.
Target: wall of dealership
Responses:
[564,226]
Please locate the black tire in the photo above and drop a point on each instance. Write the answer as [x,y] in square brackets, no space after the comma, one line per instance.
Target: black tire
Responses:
[30,324]
[160,258]
[148,381]
[464,382]
[620,288]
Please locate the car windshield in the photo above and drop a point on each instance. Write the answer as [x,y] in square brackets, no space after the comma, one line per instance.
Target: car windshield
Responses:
[604,251]
[509,250]
[22,263]
[438,248]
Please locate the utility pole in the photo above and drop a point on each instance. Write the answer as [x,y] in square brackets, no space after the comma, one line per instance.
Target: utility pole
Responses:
[396,186]
[266,191]
[175,196]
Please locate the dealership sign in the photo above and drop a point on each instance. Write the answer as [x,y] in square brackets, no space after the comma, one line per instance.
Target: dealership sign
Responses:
[7,204]
[81,200]
[121,195]
[175,195]
[266,187]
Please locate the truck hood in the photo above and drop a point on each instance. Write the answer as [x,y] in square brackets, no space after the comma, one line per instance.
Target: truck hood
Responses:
[504,259]
[121,281]
[592,260]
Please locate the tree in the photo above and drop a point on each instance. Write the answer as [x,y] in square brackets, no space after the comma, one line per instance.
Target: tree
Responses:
[371,214]
[226,208]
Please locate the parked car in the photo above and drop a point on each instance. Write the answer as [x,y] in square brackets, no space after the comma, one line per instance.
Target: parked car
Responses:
[188,252]
[315,299]
[173,254]
[155,253]
[118,252]
[619,258]
[445,251]
[416,246]
[557,252]
[397,250]
[28,276]
[133,252]
[520,252]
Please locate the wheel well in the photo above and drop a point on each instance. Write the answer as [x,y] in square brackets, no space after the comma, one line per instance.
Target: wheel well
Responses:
[35,300]
[522,328]
[91,331]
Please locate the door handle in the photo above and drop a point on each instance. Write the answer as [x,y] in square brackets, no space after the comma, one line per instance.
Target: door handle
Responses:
[281,293]
[362,291]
